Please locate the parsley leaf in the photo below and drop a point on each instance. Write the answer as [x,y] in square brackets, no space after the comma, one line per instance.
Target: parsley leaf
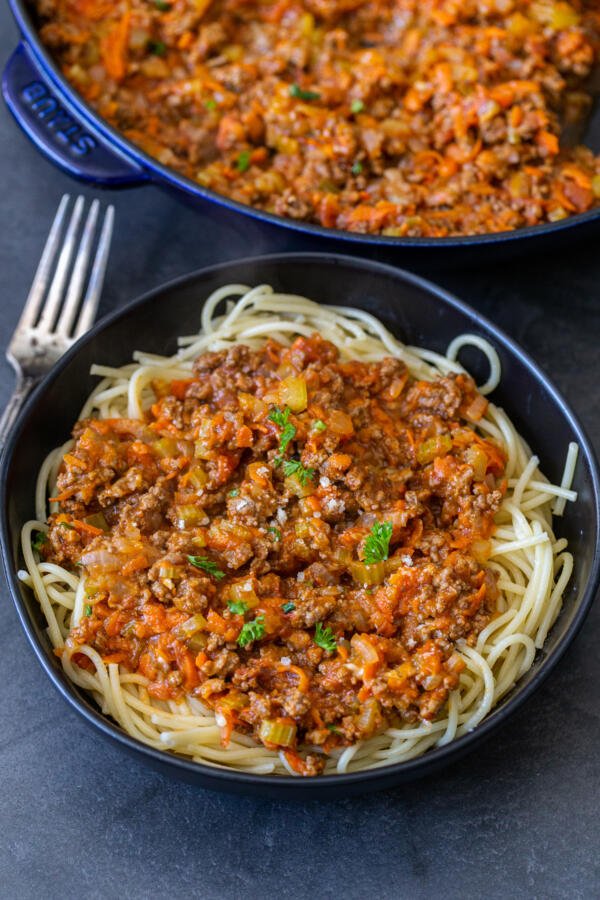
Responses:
[377,545]
[357,106]
[210,104]
[233,492]
[288,607]
[66,525]
[87,609]
[319,425]
[38,541]
[158,48]
[288,431]
[162,6]
[202,562]
[280,416]
[293,467]
[324,637]
[237,607]
[252,631]
[333,728]
[243,161]
[275,532]
[356,168]
[297,92]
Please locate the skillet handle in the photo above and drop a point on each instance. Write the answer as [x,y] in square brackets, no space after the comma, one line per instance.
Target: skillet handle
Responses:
[49,118]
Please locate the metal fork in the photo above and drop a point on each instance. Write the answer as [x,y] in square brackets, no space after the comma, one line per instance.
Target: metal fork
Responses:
[55,316]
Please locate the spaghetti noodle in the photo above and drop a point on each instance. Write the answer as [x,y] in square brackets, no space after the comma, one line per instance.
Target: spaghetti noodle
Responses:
[529,567]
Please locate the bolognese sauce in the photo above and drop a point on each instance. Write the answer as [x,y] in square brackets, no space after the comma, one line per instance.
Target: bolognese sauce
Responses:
[396,117]
[299,542]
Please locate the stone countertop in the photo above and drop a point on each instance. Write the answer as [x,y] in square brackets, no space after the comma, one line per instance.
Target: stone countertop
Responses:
[518,818]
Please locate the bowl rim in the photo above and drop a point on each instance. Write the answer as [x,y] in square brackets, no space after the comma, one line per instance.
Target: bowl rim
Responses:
[174,179]
[224,777]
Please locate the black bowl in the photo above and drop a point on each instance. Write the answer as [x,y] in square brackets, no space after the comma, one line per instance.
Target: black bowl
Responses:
[418,313]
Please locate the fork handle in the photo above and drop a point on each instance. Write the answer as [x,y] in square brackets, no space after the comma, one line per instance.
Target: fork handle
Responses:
[23,388]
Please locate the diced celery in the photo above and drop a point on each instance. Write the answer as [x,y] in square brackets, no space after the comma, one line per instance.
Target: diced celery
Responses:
[189,516]
[435,446]
[362,573]
[166,446]
[278,732]
[195,623]
[97,520]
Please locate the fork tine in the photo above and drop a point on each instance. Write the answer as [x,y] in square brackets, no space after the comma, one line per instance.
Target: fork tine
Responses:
[76,284]
[92,295]
[44,269]
[55,294]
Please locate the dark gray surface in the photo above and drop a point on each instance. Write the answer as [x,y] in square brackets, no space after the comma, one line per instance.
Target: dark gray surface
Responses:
[78,818]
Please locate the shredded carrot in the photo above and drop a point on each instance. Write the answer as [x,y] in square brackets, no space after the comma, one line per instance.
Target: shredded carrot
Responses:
[113,48]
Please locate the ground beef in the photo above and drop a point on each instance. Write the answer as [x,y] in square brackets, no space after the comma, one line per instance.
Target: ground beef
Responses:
[293,566]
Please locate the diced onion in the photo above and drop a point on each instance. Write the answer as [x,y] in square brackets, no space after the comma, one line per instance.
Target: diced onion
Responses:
[368,718]
[481,550]
[243,591]
[252,405]
[195,623]
[477,408]
[478,460]
[293,393]
[364,649]
[295,486]
[103,558]
[340,423]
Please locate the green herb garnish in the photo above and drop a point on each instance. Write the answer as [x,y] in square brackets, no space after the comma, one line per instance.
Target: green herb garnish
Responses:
[357,106]
[333,728]
[293,467]
[158,48]
[275,532]
[252,631]
[202,562]
[324,637]
[356,168]
[237,607]
[162,6]
[377,545]
[87,609]
[210,104]
[288,607]
[297,92]
[66,525]
[243,161]
[319,425]
[234,492]
[38,541]
[288,431]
